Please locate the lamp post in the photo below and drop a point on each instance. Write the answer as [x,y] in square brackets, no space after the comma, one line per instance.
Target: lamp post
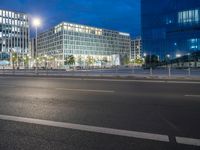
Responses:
[169,67]
[178,57]
[189,69]
[36,24]
[151,69]
[145,55]
[30,61]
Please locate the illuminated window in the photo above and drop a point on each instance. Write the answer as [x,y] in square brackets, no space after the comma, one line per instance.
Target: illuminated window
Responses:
[10,14]
[190,16]
[194,44]
[13,15]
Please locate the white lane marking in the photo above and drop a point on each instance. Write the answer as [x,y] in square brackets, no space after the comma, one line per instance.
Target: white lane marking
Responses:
[9,86]
[86,90]
[102,130]
[188,141]
[192,95]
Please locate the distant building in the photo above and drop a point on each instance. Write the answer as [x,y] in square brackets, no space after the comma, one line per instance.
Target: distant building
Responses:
[136,49]
[14,32]
[170,27]
[33,48]
[84,42]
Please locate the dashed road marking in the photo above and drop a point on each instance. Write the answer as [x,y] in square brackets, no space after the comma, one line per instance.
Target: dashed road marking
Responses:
[192,95]
[188,141]
[103,130]
[8,86]
[94,129]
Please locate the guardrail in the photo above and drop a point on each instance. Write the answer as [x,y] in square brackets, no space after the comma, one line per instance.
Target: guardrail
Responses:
[162,72]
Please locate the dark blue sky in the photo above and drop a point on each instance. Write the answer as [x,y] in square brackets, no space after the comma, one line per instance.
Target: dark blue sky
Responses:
[122,15]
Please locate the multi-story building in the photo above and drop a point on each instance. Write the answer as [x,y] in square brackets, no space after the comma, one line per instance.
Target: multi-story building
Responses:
[82,42]
[170,27]
[14,32]
[136,49]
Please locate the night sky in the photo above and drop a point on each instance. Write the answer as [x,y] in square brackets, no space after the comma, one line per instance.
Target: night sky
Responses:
[121,15]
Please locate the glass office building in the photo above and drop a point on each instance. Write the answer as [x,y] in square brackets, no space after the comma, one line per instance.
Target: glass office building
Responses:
[14,33]
[82,42]
[170,27]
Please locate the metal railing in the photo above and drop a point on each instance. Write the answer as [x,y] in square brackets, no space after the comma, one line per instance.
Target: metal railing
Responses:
[116,71]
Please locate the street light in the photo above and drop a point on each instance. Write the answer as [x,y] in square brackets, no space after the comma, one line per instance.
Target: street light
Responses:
[168,59]
[36,24]
[189,69]
[178,55]
[179,60]
[144,58]
[168,56]
[169,67]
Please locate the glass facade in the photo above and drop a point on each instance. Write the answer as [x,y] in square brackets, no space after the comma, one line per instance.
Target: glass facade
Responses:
[170,27]
[82,41]
[14,32]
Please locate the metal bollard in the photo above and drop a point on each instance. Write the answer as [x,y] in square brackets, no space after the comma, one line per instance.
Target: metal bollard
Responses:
[189,71]
[169,71]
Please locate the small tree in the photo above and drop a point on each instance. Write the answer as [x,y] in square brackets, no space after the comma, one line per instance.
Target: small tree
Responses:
[105,60]
[26,61]
[139,61]
[80,60]
[126,60]
[14,59]
[70,60]
[90,60]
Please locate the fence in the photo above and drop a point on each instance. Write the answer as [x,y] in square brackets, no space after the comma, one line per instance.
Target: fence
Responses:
[117,71]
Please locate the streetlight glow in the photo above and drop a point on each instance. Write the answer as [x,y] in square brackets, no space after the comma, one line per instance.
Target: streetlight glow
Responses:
[36,22]
[178,55]
[168,56]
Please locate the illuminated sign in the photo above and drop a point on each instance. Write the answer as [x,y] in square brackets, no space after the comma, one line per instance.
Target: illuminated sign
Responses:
[124,34]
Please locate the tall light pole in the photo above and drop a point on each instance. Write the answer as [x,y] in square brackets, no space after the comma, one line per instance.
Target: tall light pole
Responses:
[36,24]
[189,69]
[178,56]
[145,55]
[169,67]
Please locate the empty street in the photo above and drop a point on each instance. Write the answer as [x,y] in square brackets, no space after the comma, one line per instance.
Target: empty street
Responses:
[101,114]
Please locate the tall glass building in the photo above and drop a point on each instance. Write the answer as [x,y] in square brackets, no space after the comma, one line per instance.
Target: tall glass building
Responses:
[14,32]
[170,27]
[82,42]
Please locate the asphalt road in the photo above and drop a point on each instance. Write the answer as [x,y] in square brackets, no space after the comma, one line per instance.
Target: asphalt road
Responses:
[81,114]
